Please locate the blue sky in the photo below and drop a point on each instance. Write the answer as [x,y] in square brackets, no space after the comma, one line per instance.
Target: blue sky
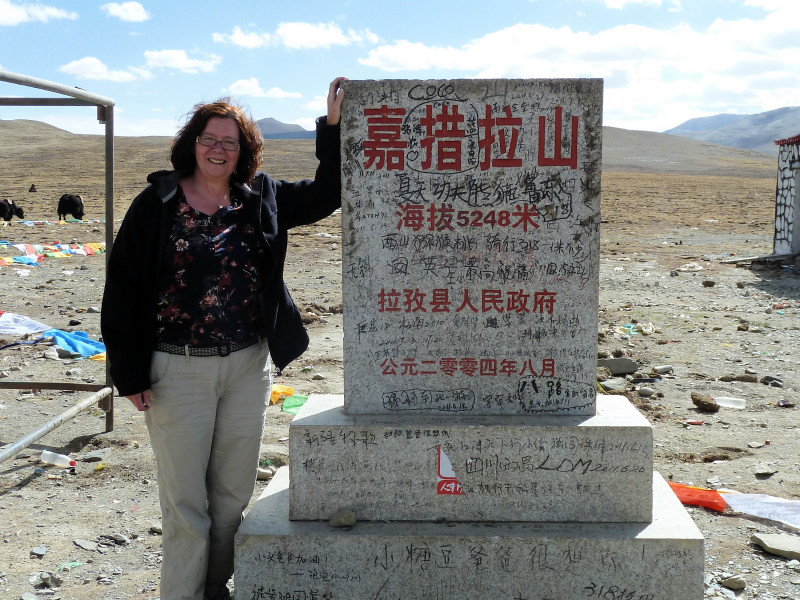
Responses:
[663,61]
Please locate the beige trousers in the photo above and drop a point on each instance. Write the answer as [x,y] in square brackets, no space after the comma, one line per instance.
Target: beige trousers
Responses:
[205,424]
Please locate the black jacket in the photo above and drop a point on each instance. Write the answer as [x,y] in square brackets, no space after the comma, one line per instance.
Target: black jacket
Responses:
[128,318]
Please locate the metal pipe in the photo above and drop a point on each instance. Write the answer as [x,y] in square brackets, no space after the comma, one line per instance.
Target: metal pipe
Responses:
[44,102]
[51,385]
[11,450]
[57,88]
[108,403]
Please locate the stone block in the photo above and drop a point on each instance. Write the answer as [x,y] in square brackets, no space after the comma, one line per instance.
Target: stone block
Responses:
[470,237]
[304,560]
[496,468]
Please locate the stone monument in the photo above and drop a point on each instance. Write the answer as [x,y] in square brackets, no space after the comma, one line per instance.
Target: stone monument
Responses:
[470,441]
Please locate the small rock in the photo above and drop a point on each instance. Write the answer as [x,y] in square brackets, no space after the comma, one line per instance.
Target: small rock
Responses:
[92,309]
[646,392]
[772,381]
[117,538]
[39,551]
[735,582]
[663,369]
[708,283]
[704,403]
[778,543]
[95,455]
[318,377]
[74,322]
[755,444]
[615,384]
[764,470]
[85,544]
[744,377]
[155,528]
[264,474]
[74,372]
[342,518]
[44,579]
[619,366]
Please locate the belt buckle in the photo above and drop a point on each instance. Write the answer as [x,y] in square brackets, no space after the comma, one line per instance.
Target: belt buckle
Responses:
[224,349]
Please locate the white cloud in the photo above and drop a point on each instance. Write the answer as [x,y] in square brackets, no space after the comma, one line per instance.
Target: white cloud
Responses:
[242,39]
[298,36]
[251,87]
[620,4]
[308,124]
[654,78]
[305,36]
[12,13]
[178,59]
[90,67]
[318,104]
[126,11]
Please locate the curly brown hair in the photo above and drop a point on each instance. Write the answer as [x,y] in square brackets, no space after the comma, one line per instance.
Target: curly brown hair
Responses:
[183,146]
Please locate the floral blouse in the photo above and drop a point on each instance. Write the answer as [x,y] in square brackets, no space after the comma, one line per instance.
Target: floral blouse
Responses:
[207,295]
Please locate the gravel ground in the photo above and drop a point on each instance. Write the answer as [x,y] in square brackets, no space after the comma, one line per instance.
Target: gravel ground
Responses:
[669,296]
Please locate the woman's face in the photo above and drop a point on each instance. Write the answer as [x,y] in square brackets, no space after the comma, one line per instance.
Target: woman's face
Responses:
[217,162]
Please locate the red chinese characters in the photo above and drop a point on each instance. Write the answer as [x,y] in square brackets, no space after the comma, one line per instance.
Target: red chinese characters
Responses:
[384,147]
[491,300]
[445,135]
[467,366]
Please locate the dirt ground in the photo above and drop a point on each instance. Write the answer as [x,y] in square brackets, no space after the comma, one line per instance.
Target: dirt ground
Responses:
[679,286]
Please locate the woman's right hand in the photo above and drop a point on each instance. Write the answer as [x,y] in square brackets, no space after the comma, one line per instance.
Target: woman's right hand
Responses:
[141,400]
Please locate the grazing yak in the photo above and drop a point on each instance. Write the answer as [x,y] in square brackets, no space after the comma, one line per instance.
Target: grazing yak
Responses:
[8,209]
[70,203]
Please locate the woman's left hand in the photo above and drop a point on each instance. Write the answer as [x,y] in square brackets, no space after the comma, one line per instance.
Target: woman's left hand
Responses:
[335,95]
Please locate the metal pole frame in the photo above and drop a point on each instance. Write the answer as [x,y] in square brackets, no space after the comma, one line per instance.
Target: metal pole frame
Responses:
[103,394]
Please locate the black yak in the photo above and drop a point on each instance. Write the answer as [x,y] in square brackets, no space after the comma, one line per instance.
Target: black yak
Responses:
[8,209]
[70,203]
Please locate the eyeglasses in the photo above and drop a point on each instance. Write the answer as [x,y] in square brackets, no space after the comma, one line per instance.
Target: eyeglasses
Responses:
[210,142]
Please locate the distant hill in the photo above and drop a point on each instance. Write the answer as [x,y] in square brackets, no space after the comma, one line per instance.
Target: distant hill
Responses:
[272,129]
[624,150]
[751,132]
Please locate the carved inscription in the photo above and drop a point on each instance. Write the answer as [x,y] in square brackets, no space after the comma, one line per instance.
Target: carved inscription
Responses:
[471,227]
[566,472]
[472,568]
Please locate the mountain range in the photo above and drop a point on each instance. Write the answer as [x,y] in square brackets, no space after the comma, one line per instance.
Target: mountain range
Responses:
[756,132]
[272,129]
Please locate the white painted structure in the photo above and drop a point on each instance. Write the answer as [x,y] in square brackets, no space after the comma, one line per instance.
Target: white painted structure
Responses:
[787,197]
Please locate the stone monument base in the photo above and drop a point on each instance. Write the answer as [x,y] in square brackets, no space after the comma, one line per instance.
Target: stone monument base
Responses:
[424,467]
[305,560]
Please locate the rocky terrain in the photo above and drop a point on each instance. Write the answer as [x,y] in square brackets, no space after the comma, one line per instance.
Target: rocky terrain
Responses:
[684,290]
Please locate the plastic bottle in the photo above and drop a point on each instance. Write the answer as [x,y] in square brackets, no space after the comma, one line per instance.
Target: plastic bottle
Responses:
[59,460]
[729,402]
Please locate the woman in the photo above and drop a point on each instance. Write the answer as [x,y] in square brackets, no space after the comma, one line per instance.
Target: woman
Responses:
[195,310]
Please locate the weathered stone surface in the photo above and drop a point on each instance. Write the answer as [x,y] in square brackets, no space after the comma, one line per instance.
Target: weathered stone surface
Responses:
[619,366]
[781,544]
[470,561]
[522,468]
[470,220]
